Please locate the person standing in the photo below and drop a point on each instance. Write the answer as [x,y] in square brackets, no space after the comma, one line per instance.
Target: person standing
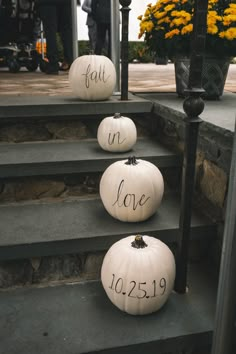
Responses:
[92,32]
[57,18]
[101,12]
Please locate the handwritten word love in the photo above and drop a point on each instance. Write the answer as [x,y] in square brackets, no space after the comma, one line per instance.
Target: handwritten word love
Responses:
[129,199]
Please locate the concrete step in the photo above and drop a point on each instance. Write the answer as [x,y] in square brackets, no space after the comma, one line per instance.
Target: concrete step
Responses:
[80,225]
[79,318]
[66,157]
[36,107]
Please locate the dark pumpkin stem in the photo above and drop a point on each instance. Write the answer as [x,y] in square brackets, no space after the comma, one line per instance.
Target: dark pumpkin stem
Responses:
[138,242]
[117,115]
[131,161]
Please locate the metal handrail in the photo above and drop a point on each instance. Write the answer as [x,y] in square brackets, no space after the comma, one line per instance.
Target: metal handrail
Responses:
[115,41]
[124,48]
[193,106]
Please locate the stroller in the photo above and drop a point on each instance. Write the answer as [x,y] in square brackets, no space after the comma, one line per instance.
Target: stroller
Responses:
[19,31]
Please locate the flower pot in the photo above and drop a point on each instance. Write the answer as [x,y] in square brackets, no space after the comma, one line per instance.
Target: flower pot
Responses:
[214,75]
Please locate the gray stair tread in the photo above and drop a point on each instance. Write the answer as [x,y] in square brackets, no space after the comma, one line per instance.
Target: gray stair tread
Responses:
[70,226]
[45,158]
[79,318]
[60,106]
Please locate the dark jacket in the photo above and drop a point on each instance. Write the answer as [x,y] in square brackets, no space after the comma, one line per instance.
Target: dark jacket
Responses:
[55,2]
[101,11]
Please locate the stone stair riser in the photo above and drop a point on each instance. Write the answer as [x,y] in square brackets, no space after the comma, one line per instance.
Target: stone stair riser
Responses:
[61,187]
[59,129]
[79,267]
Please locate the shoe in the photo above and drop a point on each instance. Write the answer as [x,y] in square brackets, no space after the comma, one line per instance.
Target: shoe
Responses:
[64,66]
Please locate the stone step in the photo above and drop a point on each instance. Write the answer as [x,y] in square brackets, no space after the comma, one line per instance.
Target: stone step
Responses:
[36,107]
[66,157]
[79,318]
[80,225]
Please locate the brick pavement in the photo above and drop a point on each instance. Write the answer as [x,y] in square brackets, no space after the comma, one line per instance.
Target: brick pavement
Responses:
[142,78]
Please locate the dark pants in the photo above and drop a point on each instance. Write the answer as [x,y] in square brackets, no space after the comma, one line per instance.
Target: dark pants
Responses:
[103,29]
[57,18]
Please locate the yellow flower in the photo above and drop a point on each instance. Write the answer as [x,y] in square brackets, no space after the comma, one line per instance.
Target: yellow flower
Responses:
[167,24]
[172,33]
[227,20]
[178,22]
[147,12]
[164,20]
[230,11]
[160,14]
[183,14]
[147,26]
[140,17]
[213,29]
[169,7]
[212,18]
[229,34]
[187,29]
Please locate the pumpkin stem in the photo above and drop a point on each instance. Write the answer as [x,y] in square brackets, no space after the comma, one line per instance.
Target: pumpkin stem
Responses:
[138,242]
[117,115]
[131,161]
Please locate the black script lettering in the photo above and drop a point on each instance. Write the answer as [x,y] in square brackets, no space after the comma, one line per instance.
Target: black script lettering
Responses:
[129,199]
[111,138]
[95,75]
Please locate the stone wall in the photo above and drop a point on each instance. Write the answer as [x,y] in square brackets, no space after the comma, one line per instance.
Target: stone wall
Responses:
[214,152]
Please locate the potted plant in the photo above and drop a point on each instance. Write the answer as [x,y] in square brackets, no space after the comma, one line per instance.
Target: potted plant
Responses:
[167,26]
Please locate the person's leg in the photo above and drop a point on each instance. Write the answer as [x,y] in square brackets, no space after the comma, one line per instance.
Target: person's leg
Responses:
[109,40]
[65,29]
[48,15]
[92,32]
[100,39]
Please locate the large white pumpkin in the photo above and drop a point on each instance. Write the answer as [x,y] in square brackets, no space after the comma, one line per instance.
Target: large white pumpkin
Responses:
[131,190]
[138,274]
[117,133]
[92,77]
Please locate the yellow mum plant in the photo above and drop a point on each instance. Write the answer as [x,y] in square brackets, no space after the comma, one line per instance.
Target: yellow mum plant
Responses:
[167,25]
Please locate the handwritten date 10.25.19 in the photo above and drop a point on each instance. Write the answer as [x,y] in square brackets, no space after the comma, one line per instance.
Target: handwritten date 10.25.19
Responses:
[138,290]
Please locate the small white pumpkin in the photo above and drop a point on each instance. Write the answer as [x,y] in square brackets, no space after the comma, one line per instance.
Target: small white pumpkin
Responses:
[138,274]
[131,190]
[117,133]
[92,77]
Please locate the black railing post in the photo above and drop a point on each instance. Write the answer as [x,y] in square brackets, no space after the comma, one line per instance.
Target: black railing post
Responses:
[124,48]
[193,106]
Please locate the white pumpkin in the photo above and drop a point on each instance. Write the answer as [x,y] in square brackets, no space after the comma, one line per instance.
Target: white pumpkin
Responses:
[138,274]
[92,77]
[117,133]
[131,190]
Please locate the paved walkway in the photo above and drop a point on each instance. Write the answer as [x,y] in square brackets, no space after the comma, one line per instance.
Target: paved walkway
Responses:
[149,79]
[142,78]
